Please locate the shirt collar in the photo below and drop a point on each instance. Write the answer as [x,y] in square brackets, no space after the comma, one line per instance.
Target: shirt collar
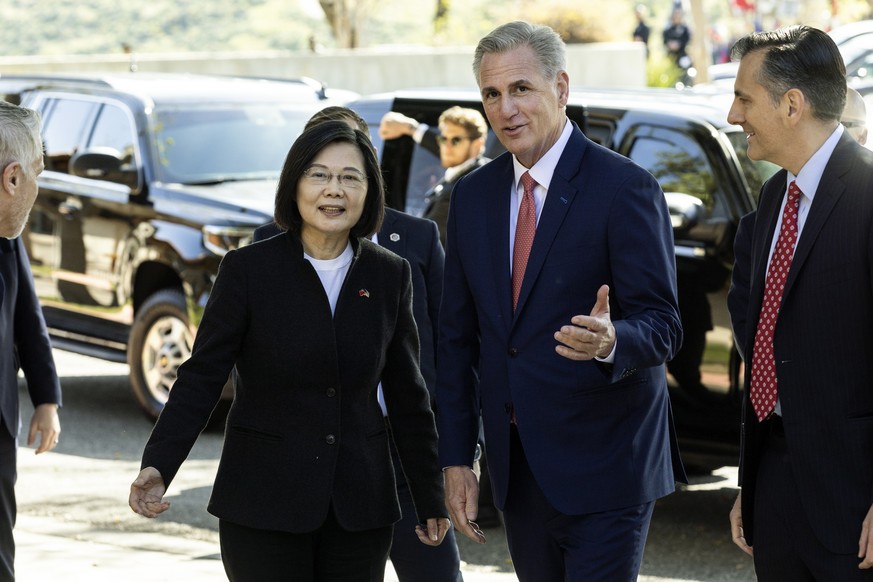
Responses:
[455,171]
[811,172]
[544,169]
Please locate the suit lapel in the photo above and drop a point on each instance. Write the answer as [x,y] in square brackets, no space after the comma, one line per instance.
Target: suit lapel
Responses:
[558,201]
[497,225]
[391,236]
[830,189]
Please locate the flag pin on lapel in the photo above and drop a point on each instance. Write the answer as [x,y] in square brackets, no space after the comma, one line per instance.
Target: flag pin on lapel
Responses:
[364,293]
[394,237]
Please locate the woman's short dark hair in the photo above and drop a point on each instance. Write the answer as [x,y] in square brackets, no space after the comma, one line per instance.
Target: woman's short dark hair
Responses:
[799,57]
[310,143]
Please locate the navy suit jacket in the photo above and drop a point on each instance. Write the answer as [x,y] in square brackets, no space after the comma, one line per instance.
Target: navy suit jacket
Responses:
[440,196]
[24,341]
[597,436]
[738,294]
[823,345]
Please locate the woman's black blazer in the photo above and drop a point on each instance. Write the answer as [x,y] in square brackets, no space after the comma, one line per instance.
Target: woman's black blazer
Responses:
[305,430]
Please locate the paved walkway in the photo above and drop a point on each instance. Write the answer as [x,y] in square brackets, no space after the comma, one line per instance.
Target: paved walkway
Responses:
[49,549]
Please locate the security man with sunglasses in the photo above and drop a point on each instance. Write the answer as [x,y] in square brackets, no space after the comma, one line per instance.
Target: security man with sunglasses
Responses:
[460,144]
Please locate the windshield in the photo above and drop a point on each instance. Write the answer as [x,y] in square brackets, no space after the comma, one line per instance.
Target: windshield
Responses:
[226,142]
[756,172]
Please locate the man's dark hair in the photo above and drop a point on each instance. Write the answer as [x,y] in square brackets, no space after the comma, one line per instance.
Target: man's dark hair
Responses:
[310,143]
[799,57]
[338,113]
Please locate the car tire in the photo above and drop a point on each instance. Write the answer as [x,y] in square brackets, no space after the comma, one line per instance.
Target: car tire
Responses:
[160,340]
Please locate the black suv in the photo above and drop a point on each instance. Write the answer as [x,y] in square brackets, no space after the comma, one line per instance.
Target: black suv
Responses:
[149,180]
[701,163]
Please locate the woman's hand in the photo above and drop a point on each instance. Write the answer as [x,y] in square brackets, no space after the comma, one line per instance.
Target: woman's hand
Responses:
[437,528]
[147,493]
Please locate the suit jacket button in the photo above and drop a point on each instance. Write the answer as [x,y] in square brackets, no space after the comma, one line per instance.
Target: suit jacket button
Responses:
[331,392]
[330,439]
[513,352]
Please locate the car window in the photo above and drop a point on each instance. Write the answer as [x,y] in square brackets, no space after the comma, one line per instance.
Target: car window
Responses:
[226,142]
[63,130]
[425,171]
[756,172]
[113,129]
[679,164]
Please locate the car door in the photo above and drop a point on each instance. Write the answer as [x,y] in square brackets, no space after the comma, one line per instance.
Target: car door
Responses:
[86,217]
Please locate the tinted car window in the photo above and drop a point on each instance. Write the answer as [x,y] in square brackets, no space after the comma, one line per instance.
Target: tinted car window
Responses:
[425,171]
[756,172]
[113,129]
[207,144]
[679,164]
[63,131]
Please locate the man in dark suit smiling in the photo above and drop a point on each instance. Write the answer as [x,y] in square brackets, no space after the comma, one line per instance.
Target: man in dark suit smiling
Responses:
[806,470]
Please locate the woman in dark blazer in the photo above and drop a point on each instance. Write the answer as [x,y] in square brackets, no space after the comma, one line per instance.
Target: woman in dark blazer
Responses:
[313,319]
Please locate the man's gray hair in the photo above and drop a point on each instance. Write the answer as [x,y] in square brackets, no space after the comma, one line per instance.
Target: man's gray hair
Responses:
[545,42]
[19,135]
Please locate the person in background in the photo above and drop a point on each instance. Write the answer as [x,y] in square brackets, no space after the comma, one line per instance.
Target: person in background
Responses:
[417,241]
[806,465]
[24,341]
[676,37]
[313,319]
[642,30]
[460,143]
[559,310]
[854,117]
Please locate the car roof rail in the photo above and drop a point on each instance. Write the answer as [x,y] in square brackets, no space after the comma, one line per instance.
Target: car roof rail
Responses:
[39,80]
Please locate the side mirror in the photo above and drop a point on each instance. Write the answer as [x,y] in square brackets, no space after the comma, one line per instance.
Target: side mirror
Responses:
[103,163]
[686,211]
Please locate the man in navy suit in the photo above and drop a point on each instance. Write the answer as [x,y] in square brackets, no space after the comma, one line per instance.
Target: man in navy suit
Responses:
[806,465]
[569,346]
[24,342]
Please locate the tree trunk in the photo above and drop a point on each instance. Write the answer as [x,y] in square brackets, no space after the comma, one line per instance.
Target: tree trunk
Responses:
[342,22]
[699,54]
[441,16]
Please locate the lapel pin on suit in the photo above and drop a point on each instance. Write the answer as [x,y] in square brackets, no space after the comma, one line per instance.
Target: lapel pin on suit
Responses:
[364,293]
[394,237]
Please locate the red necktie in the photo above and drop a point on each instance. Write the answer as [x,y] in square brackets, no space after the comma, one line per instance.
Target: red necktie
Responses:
[524,235]
[763,390]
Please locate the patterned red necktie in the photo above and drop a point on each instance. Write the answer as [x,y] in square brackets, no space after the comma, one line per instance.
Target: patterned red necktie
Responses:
[525,229]
[763,390]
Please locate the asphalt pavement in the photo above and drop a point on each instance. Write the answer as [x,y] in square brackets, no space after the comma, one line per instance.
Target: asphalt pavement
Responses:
[74,523]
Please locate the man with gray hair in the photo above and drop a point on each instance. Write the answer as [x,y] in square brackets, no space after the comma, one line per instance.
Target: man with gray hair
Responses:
[24,341]
[559,296]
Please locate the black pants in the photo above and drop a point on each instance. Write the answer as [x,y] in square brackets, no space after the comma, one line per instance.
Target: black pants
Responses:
[412,560]
[786,547]
[329,554]
[8,457]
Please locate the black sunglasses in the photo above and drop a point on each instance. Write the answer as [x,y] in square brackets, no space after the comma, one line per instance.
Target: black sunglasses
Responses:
[443,140]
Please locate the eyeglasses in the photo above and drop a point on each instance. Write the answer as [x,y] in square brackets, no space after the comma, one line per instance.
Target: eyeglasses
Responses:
[322,177]
[443,140]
